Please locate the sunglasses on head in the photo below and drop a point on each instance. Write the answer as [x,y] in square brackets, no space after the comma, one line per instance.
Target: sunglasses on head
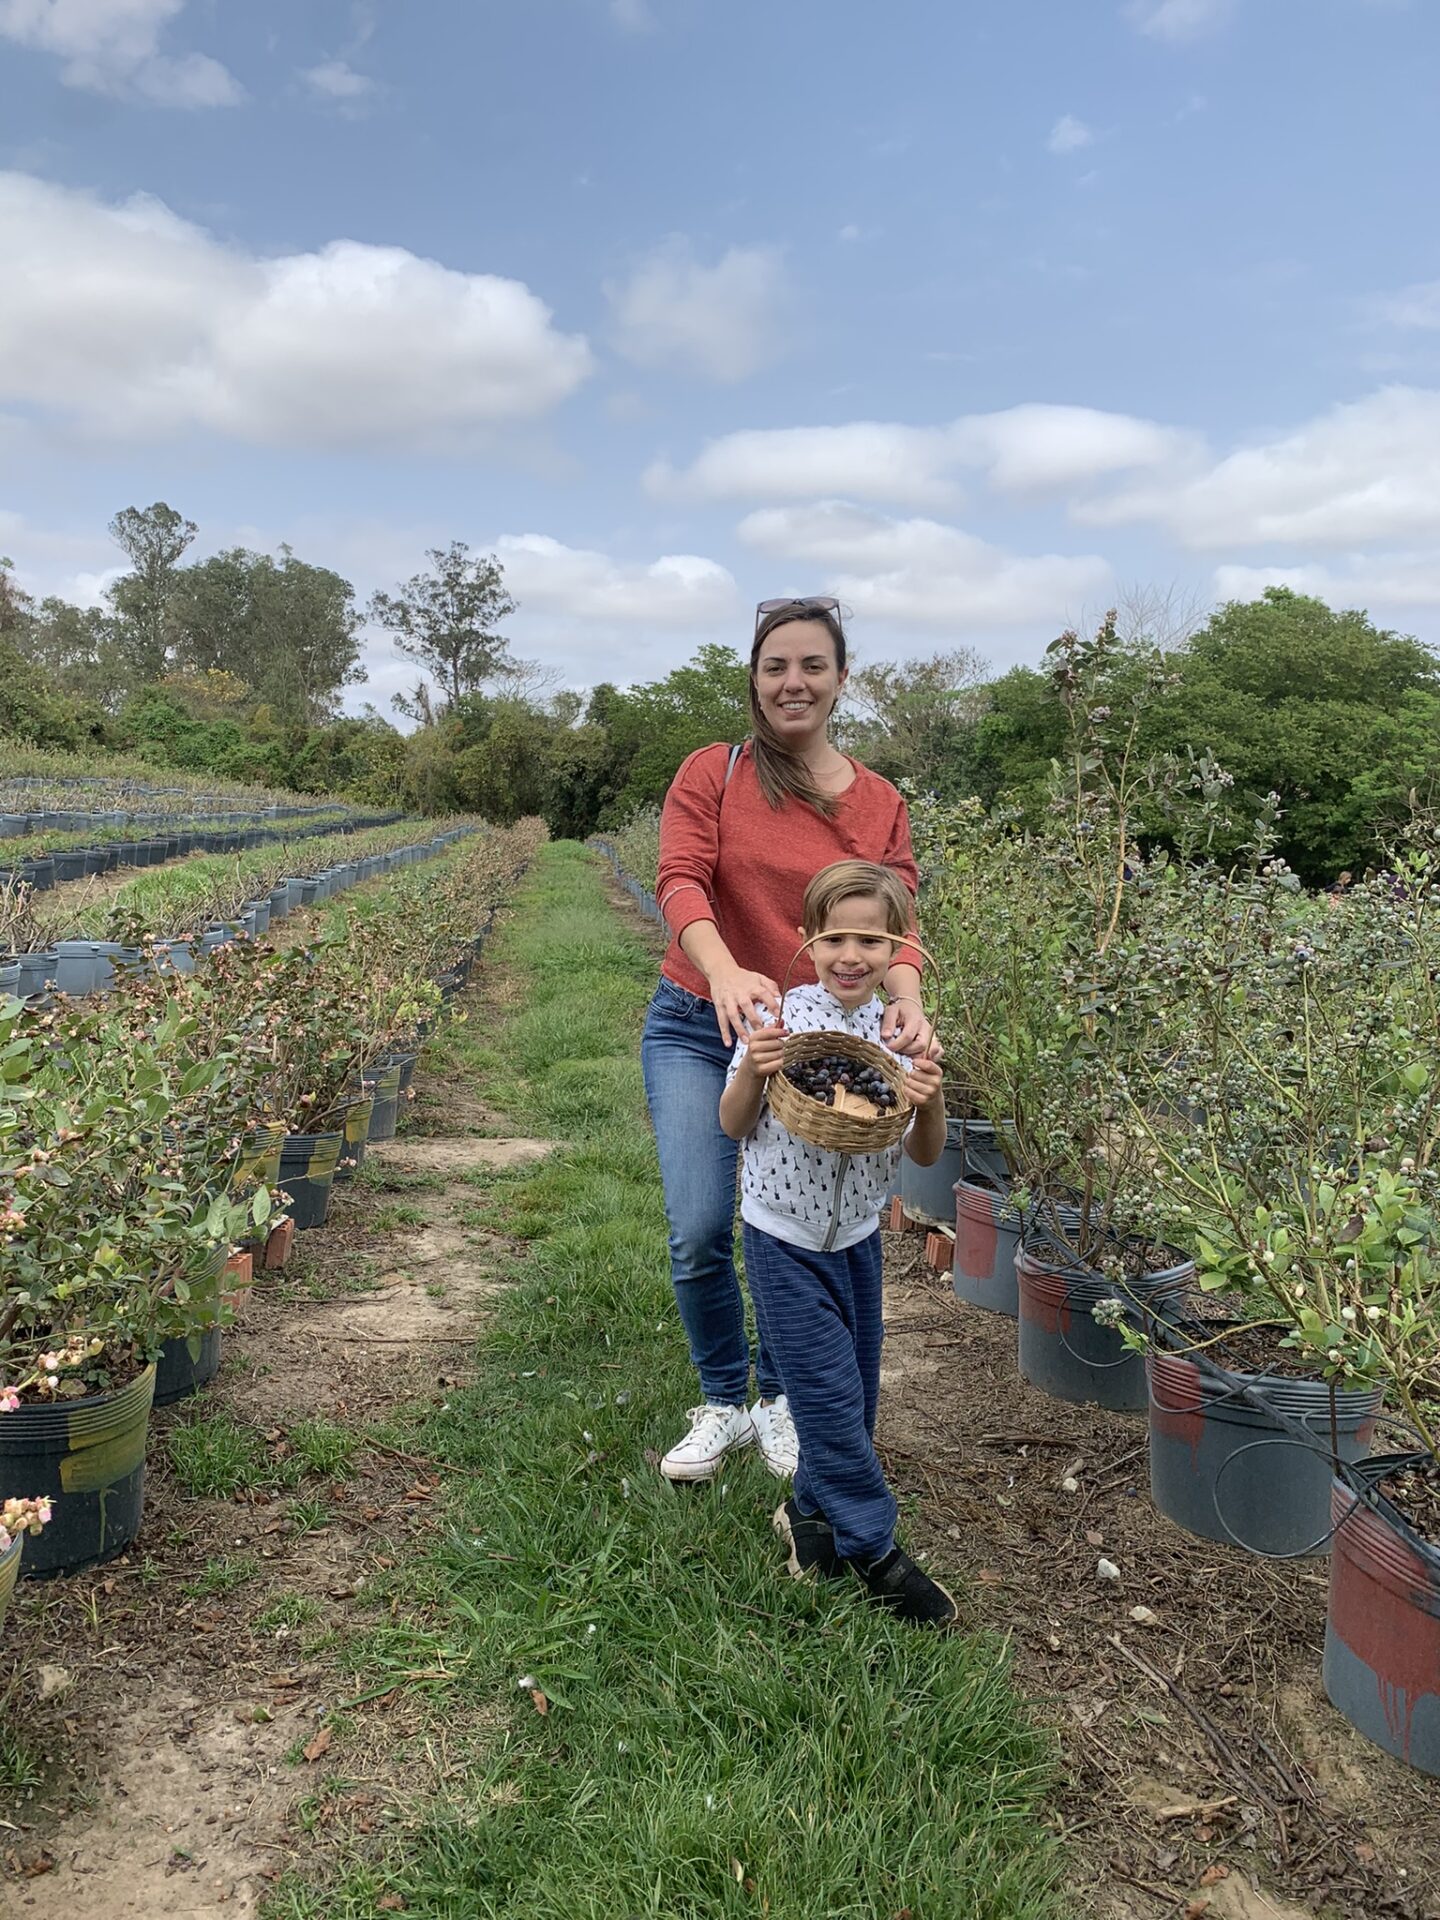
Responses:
[814,603]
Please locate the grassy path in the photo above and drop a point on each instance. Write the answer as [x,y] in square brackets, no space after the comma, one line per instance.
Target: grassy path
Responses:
[643,1715]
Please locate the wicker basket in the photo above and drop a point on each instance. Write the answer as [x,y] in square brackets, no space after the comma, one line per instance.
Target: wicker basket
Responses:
[830,1127]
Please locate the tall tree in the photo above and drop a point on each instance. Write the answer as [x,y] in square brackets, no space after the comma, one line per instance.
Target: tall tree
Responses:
[448,619]
[152,539]
[917,720]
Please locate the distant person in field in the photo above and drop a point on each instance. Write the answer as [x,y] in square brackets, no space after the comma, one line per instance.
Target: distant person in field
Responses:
[744,829]
[812,1241]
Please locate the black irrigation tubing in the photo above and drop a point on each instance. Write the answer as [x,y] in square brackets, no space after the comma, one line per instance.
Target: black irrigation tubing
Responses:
[641,895]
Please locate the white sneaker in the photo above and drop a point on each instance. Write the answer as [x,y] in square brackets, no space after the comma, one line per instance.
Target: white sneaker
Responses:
[776,1436]
[714,1432]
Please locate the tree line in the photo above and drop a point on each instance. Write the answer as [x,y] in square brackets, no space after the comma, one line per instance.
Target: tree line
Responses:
[237,665]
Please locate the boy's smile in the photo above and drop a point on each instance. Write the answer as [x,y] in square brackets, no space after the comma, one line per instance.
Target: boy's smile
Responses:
[851,964]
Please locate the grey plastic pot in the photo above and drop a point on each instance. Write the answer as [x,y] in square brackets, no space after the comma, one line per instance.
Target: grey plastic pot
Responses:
[257,914]
[1226,1468]
[1382,1628]
[176,955]
[928,1193]
[35,971]
[1063,1350]
[88,966]
[9,980]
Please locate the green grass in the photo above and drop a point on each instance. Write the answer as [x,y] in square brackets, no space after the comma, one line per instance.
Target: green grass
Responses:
[720,1740]
[215,1457]
[220,1577]
[288,1610]
[22,1765]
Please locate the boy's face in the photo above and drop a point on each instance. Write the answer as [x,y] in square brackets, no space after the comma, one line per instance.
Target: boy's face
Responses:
[852,965]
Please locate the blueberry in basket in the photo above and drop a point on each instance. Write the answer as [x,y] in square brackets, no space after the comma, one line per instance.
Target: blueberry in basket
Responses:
[821,1076]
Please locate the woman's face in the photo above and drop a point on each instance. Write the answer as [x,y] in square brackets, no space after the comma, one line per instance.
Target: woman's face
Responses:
[797,680]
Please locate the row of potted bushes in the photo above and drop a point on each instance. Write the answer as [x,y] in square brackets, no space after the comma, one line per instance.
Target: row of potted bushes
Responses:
[151,843]
[128,1100]
[83,966]
[1272,1463]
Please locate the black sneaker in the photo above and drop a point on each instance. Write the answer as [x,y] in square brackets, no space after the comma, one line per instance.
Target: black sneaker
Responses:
[896,1582]
[810,1542]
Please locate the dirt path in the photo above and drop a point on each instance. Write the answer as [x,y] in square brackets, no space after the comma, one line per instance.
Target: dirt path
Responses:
[180,1693]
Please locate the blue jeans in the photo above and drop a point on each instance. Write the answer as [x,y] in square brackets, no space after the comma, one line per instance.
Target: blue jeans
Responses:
[684,1061]
[821,1313]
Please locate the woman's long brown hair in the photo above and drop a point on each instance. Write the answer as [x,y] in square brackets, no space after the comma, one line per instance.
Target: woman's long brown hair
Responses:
[783,774]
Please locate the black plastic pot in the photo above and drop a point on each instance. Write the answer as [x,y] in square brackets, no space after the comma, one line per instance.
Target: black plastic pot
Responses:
[186,1363]
[383,1084]
[10,1573]
[985,1162]
[406,1063]
[1382,1630]
[88,1457]
[69,865]
[1226,1468]
[307,1174]
[355,1128]
[39,874]
[1066,1352]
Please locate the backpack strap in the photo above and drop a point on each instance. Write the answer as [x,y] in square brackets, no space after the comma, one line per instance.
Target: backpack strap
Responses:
[732,762]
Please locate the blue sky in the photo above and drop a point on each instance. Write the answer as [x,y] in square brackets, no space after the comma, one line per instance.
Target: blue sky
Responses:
[976,314]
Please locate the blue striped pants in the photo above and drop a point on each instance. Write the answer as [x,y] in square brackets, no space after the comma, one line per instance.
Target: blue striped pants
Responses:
[820,1317]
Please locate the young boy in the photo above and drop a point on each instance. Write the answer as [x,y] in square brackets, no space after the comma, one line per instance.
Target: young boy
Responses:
[811,1223]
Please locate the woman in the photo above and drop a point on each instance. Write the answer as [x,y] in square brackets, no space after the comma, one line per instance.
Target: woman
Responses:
[743,832]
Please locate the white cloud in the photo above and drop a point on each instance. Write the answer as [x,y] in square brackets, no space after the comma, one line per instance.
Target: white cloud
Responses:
[724,321]
[677,589]
[923,572]
[1178,19]
[338,80]
[1414,308]
[113,47]
[1069,135]
[848,232]
[1392,580]
[132,322]
[1025,449]
[632,16]
[1365,471]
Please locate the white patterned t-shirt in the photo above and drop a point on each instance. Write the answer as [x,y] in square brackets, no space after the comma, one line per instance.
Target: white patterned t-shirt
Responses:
[807,1195]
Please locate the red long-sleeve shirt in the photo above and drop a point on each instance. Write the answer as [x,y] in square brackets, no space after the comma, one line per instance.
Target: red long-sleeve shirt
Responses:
[726,855]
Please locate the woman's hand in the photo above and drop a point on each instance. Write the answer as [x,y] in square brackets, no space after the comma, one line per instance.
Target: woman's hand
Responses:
[736,992]
[905,1030]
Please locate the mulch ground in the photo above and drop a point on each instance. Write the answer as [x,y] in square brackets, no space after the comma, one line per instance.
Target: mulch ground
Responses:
[1202,1761]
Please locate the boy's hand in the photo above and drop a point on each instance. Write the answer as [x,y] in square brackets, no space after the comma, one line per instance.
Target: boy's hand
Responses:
[765,1052]
[924,1081]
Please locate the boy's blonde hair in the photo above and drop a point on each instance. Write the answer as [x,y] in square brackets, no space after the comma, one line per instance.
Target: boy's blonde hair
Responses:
[857,880]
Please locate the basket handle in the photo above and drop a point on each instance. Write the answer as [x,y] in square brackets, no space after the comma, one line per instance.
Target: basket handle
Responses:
[897,941]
